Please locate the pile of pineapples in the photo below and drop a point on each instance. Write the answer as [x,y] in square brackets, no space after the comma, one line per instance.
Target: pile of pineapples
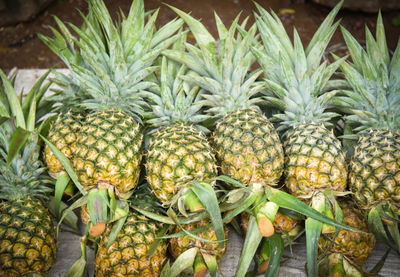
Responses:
[161,143]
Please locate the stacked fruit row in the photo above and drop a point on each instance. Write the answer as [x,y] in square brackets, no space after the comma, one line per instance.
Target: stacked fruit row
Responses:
[195,116]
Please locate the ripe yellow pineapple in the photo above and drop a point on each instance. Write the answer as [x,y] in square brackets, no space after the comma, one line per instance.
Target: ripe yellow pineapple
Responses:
[27,237]
[300,86]
[373,111]
[109,63]
[295,80]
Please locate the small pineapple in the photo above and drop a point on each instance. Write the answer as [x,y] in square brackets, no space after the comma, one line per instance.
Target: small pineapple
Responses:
[355,246]
[178,152]
[128,254]
[295,80]
[373,111]
[350,250]
[109,64]
[27,233]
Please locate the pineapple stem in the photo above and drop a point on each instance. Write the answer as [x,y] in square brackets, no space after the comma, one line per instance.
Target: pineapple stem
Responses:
[265,215]
[336,267]
[200,267]
[263,258]
[193,202]
[319,202]
[97,204]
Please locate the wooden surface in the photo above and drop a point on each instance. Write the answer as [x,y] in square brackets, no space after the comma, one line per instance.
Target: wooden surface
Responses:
[69,249]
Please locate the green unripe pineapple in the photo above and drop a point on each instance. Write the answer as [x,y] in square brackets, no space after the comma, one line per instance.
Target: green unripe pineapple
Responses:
[27,233]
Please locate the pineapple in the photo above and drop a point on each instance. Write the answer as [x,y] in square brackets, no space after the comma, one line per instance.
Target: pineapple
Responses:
[355,246]
[109,63]
[372,105]
[27,233]
[299,85]
[295,79]
[178,152]
[62,134]
[128,254]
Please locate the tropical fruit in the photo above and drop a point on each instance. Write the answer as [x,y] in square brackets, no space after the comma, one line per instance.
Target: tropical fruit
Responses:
[372,106]
[178,152]
[62,134]
[355,246]
[300,86]
[27,233]
[295,79]
[127,255]
[344,254]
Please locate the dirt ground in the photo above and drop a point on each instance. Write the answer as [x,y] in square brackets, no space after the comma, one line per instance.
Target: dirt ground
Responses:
[20,47]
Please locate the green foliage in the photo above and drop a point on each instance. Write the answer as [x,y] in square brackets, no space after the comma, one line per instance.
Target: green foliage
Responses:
[109,61]
[374,99]
[295,77]
[221,67]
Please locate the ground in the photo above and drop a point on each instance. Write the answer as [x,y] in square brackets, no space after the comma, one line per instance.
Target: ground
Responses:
[20,47]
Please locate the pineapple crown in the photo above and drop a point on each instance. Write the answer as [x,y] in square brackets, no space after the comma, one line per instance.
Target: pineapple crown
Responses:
[373,101]
[221,67]
[297,82]
[174,100]
[26,175]
[110,61]
[21,171]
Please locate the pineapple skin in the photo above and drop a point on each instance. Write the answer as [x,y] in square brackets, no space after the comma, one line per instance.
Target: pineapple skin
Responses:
[248,148]
[314,160]
[282,223]
[127,255]
[27,238]
[180,244]
[178,154]
[354,245]
[63,134]
[108,151]
[375,169]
